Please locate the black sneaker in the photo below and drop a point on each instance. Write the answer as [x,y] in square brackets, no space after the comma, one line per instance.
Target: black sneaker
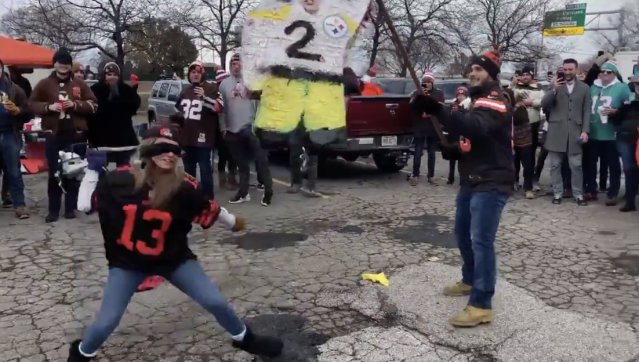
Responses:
[311,193]
[581,202]
[51,218]
[7,203]
[628,208]
[556,200]
[260,345]
[75,355]
[450,181]
[69,215]
[260,186]
[266,199]
[237,199]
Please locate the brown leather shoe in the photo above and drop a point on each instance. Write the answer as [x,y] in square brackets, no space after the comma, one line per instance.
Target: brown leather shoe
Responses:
[22,213]
[612,201]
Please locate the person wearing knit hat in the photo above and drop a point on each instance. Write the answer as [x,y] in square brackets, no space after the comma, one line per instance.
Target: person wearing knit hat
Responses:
[112,124]
[424,133]
[64,104]
[528,94]
[608,94]
[482,145]
[220,75]
[199,105]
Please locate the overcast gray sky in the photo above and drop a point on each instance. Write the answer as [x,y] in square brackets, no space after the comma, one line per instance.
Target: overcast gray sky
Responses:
[583,46]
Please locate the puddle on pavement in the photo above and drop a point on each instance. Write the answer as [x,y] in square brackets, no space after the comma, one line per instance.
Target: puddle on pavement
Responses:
[430,229]
[350,229]
[300,344]
[264,241]
[629,264]
[606,232]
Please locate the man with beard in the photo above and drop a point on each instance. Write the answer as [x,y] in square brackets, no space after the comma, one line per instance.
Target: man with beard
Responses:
[485,154]
[63,103]
[13,115]
[198,104]
[569,104]
[146,214]
[112,124]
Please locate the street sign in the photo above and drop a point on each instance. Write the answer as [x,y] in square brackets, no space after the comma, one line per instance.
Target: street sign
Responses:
[576,6]
[565,22]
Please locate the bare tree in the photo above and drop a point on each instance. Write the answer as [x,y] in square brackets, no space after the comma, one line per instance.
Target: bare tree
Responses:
[627,34]
[82,24]
[212,22]
[514,25]
[419,24]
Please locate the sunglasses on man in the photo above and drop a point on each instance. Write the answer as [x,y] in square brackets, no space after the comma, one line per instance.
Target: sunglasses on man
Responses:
[607,72]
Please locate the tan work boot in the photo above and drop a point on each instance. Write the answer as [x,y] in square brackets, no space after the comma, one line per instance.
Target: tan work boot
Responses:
[530,195]
[221,178]
[458,289]
[414,180]
[472,317]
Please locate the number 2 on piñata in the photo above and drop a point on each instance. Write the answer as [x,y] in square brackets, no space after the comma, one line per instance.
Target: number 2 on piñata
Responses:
[294,53]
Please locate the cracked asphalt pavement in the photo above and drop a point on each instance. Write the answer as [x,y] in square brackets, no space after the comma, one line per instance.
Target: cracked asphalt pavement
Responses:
[567,291]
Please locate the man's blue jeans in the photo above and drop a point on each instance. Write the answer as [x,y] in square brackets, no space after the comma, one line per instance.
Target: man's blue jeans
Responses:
[194,156]
[188,277]
[431,145]
[630,170]
[10,144]
[476,223]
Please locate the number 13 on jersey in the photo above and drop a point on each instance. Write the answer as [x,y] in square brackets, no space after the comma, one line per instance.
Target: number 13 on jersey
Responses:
[130,212]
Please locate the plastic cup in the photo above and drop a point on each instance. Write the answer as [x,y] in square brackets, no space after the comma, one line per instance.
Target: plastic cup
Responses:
[604,118]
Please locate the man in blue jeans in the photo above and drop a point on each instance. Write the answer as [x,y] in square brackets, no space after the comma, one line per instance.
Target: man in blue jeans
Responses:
[487,173]
[13,114]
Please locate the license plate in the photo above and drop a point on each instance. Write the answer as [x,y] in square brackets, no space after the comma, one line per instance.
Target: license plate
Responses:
[389,141]
[365,141]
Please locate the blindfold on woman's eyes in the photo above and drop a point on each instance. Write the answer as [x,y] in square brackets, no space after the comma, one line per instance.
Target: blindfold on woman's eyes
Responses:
[160,149]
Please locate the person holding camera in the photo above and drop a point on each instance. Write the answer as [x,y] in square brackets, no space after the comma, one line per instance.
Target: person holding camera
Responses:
[568,127]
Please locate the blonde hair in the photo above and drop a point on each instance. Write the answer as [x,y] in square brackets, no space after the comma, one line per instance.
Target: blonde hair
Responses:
[163,184]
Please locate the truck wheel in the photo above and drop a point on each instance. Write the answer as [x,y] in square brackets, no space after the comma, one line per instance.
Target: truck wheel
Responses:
[388,164]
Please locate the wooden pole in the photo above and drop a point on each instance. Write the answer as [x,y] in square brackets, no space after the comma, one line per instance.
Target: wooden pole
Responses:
[402,50]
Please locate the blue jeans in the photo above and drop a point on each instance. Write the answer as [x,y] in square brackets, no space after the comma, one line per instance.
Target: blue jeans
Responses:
[476,223]
[10,144]
[188,277]
[630,169]
[431,145]
[194,156]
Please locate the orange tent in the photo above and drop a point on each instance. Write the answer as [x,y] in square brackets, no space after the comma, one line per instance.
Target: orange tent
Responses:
[20,53]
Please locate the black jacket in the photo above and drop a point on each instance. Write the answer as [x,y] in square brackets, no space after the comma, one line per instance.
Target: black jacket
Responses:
[487,126]
[627,120]
[112,124]
[422,125]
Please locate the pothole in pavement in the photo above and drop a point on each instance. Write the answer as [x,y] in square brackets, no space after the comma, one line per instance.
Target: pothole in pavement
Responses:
[627,263]
[430,229]
[264,241]
[300,344]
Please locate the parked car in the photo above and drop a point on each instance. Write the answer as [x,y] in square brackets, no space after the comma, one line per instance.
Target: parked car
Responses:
[163,96]
[406,86]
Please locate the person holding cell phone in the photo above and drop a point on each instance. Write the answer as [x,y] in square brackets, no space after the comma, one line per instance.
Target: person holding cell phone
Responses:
[570,104]
[608,94]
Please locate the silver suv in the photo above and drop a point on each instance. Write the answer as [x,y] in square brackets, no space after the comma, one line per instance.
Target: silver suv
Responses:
[163,97]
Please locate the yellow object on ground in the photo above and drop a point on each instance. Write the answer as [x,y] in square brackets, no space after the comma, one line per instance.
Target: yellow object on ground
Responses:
[377,278]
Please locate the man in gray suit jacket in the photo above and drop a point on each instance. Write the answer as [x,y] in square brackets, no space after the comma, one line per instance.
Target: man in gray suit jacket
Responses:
[568,126]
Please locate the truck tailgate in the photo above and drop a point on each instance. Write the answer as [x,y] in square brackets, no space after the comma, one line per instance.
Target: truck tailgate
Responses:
[378,115]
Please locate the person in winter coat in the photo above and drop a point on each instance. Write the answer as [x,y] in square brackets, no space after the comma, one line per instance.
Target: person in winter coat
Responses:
[369,88]
[424,132]
[225,178]
[626,120]
[523,141]
[14,112]
[530,92]
[608,95]
[484,151]
[78,71]
[112,124]
[63,103]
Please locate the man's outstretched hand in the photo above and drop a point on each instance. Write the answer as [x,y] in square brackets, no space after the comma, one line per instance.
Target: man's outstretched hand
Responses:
[425,104]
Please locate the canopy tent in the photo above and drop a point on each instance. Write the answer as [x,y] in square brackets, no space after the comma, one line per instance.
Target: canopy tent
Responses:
[20,53]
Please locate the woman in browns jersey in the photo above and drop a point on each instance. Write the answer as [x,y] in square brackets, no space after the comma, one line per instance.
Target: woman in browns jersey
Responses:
[145,215]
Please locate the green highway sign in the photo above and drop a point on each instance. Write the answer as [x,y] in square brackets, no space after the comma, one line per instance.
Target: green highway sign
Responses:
[565,22]
[576,6]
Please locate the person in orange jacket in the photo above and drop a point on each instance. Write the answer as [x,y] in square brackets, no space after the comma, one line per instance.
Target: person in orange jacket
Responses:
[369,88]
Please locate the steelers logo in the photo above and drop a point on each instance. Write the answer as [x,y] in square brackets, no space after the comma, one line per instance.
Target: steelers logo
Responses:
[335,26]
